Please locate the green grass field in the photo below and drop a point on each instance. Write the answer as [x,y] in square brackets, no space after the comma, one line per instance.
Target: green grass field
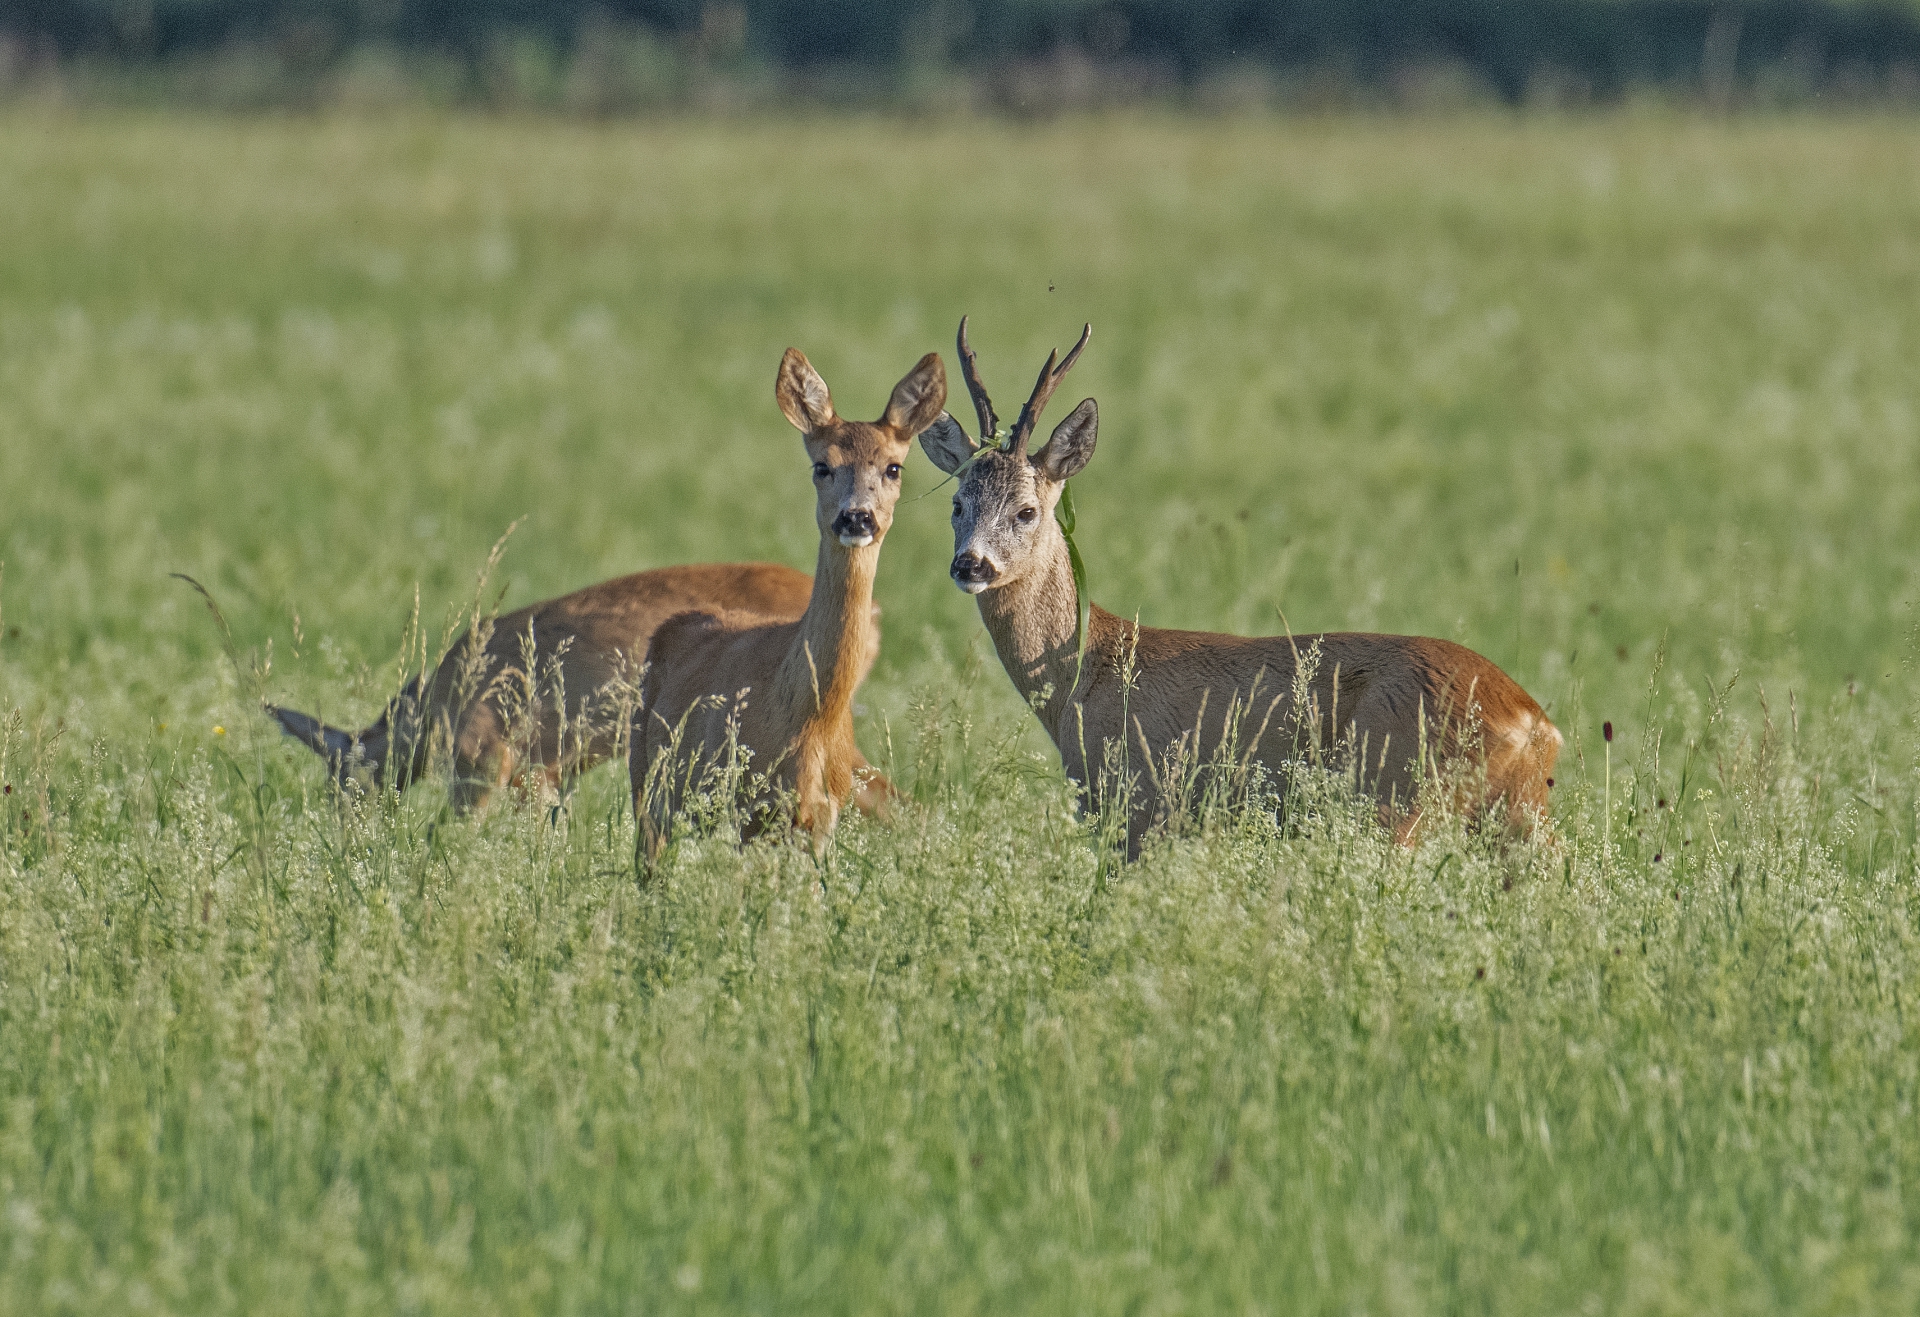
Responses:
[1629,405]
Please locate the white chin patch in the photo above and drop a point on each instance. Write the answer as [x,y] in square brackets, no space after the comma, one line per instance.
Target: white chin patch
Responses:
[856,541]
[972,587]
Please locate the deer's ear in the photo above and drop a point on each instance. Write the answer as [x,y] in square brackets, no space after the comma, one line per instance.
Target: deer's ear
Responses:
[917,399]
[802,394]
[1071,444]
[946,444]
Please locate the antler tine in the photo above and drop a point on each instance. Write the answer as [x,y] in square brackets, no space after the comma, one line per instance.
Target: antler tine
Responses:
[970,371]
[1030,414]
[1050,377]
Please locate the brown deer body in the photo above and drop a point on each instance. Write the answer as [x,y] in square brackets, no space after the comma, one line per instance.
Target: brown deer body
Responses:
[780,690]
[1388,708]
[587,649]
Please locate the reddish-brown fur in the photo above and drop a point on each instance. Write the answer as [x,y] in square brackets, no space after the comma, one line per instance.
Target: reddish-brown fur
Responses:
[1390,708]
[588,644]
[783,690]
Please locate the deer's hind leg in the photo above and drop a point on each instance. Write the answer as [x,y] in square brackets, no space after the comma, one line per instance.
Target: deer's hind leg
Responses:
[652,808]
[476,781]
[483,759]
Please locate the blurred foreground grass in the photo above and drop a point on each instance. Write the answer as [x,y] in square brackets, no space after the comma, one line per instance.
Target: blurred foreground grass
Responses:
[1602,400]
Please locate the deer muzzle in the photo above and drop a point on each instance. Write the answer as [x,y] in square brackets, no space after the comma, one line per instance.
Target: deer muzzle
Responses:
[972,573]
[854,526]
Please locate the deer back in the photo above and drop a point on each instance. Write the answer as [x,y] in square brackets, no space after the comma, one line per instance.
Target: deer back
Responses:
[1391,708]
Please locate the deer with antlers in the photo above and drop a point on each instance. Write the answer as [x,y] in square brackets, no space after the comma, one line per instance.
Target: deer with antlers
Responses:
[781,691]
[1388,708]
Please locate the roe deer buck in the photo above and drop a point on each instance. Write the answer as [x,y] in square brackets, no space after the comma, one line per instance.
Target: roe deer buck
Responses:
[784,690]
[1378,703]
[496,721]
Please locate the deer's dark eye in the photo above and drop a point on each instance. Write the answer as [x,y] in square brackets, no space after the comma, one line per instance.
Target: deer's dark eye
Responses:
[1025,516]
[821,470]
[956,507]
[893,471]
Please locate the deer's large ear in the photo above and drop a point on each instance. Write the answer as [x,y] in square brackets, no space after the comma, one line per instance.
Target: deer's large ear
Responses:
[917,399]
[1071,444]
[946,444]
[802,394]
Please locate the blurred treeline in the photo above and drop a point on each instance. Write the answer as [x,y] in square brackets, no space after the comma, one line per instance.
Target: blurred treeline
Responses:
[613,56]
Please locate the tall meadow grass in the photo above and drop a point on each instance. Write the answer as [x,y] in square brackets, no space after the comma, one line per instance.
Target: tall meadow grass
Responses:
[1625,404]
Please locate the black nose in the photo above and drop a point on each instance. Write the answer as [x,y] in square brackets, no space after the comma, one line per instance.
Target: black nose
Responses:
[972,569]
[854,522]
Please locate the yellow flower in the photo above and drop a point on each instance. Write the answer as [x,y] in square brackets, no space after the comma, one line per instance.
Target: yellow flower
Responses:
[219,731]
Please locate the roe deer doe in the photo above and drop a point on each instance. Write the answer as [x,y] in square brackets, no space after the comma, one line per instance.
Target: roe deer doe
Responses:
[496,722]
[1376,703]
[783,690]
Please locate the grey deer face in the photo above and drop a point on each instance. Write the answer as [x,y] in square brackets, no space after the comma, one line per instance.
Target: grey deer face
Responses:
[1003,509]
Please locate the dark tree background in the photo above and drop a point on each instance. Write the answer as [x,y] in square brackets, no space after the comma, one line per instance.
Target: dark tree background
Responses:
[1602,46]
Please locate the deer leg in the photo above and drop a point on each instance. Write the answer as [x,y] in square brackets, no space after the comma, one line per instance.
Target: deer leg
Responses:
[815,818]
[653,816]
[819,787]
[820,824]
[475,780]
[557,791]
[483,760]
[1405,826]
[652,840]
[873,795]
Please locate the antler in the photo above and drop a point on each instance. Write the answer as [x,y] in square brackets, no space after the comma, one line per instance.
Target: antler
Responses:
[1050,377]
[970,371]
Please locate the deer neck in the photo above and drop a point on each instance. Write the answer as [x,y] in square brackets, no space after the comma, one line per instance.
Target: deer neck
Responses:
[837,639]
[1034,621]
